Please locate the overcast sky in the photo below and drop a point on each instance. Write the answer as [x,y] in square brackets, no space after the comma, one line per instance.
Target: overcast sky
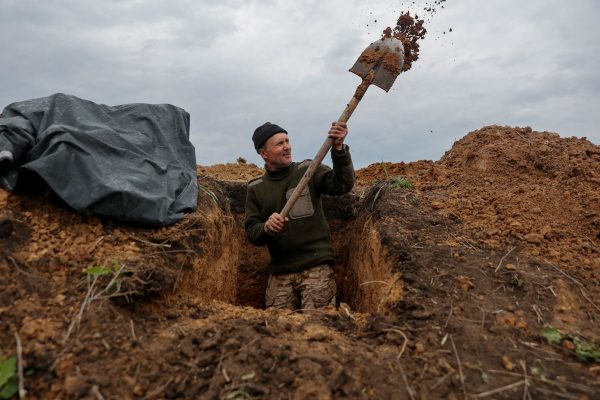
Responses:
[235,64]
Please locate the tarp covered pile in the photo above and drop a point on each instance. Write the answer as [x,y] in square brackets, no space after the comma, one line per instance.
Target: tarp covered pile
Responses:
[130,162]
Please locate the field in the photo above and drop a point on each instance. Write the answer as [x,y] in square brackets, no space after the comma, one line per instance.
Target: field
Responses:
[473,276]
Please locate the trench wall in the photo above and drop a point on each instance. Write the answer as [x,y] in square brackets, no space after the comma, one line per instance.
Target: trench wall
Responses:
[214,275]
[364,273]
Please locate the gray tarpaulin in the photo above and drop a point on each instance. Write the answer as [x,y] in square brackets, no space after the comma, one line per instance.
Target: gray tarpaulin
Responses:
[131,162]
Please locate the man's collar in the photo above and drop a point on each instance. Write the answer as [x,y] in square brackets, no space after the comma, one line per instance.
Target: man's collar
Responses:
[280,173]
[278,170]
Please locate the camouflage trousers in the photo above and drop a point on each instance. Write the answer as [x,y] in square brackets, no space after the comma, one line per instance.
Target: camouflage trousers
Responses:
[309,289]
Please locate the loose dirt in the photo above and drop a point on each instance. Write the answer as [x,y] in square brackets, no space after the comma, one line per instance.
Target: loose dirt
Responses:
[444,287]
[409,31]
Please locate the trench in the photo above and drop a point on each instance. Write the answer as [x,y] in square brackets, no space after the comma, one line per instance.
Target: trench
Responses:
[365,277]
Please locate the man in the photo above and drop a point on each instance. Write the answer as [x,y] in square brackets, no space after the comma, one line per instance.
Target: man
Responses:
[300,246]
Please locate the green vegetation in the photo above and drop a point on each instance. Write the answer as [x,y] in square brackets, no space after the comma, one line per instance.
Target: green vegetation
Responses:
[9,381]
[98,270]
[516,281]
[393,183]
[396,183]
[117,272]
[479,368]
[585,351]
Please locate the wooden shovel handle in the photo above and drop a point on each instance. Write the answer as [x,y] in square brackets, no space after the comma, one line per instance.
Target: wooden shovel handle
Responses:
[310,171]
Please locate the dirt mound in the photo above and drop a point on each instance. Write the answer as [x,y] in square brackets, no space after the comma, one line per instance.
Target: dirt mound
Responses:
[240,171]
[448,273]
[512,185]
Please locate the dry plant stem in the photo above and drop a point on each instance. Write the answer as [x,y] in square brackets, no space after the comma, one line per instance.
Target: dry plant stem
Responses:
[449,315]
[442,379]
[526,387]
[132,330]
[22,391]
[369,282]
[304,310]
[224,356]
[111,296]
[116,275]
[561,384]
[96,392]
[502,259]
[460,372]
[84,304]
[158,390]
[14,263]
[539,314]
[564,273]
[408,388]
[168,252]
[149,243]
[90,296]
[96,243]
[227,378]
[557,394]
[537,347]
[588,299]
[383,299]
[576,282]
[403,336]
[499,390]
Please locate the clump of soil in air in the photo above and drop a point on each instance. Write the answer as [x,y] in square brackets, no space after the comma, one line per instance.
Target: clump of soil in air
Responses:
[409,31]
[432,7]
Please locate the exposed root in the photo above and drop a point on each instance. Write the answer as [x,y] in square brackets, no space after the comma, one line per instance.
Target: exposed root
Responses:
[22,391]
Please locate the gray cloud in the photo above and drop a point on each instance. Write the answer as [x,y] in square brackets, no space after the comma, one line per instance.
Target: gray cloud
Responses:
[235,64]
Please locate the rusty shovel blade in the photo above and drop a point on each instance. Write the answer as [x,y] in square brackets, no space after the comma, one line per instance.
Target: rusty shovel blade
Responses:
[385,58]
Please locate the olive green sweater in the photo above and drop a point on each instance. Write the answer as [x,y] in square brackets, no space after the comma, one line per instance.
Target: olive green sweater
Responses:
[305,240]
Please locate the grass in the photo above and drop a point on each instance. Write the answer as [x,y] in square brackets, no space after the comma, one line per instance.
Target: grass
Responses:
[396,183]
[116,272]
[584,350]
[9,381]
[393,182]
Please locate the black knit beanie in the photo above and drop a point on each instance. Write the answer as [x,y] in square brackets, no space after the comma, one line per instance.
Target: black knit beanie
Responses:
[264,132]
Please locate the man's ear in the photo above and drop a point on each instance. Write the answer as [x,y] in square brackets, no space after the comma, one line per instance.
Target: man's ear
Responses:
[262,153]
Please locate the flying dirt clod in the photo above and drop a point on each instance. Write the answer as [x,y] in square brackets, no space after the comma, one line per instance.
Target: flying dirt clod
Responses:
[409,31]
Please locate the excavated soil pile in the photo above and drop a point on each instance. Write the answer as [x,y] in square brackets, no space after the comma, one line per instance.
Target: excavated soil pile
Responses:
[448,273]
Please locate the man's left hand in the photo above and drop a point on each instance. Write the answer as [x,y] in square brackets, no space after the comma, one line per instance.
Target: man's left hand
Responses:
[338,132]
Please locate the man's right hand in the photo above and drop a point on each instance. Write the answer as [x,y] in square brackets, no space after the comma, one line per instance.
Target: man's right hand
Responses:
[274,224]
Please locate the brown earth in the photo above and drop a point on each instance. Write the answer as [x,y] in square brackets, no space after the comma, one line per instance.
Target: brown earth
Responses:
[409,31]
[444,287]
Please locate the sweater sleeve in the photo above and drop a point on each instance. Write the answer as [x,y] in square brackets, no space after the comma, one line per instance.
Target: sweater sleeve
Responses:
[254,223]
[340,179]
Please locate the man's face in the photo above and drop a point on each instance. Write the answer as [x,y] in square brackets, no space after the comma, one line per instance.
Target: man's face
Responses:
[277,152]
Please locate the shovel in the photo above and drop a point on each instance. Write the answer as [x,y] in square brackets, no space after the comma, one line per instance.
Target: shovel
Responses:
[379,64]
